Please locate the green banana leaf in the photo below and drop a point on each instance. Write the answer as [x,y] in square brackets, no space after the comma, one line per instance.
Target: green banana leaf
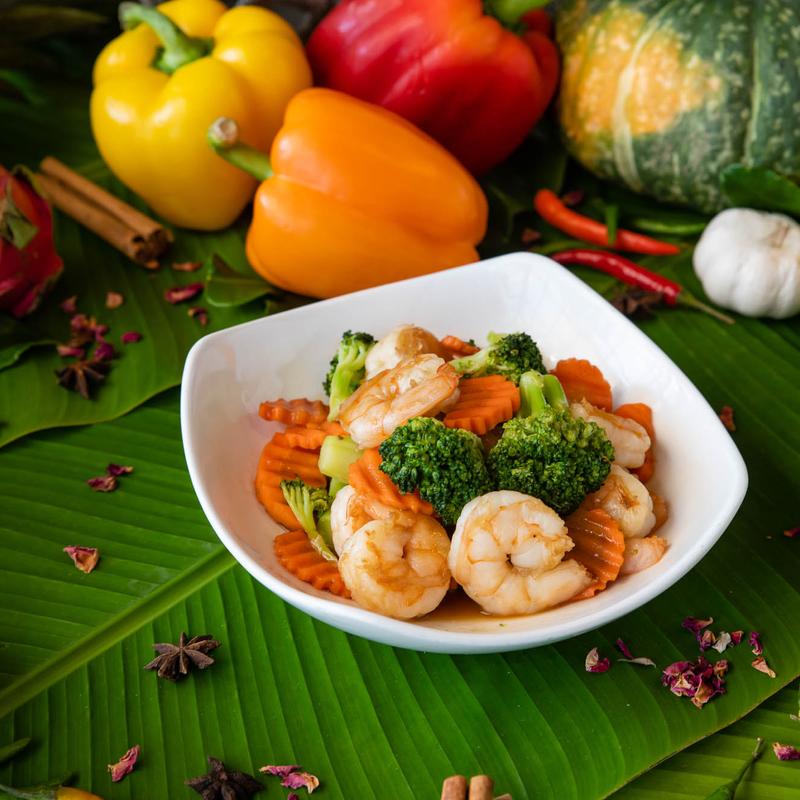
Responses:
[372,721]
[702,768]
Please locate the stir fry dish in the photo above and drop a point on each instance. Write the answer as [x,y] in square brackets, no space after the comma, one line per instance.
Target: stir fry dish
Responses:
[439,466]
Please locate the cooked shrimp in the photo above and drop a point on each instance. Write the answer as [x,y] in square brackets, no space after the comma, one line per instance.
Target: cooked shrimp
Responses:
[508,555]
[351,511]
[629,438]
[397,566]
[400,344]
[642,553]
[626,500]
[416,388]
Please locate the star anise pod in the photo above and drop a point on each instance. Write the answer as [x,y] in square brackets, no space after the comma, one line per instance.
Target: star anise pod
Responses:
[83,375]
[174,661]
[224,784]
[637,303]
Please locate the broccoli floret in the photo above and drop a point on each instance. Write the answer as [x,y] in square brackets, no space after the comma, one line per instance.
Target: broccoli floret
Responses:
[507,354]
[445,464]
[312,507]
[347,368]
[548,453]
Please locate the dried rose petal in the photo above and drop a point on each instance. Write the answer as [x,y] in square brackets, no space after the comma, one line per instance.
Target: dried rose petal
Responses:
[104,352]
[723,640]
[726,417]
[594,663]
[736,637]
[179,294]
[761,665]
[69,351]
[125,765]
[88,326]
[292,796]
[84,558]
[200,314]
[623,648]
[103,483]
[529,236]
[706,639]
[131,337]
[70,305]
[573,198]
[281,770]
[755,643]
[118,469]
[696,625]
[186,266]
[699,680]
[792,533]
[642,661]
[301,780]
[114,299]
[785,752]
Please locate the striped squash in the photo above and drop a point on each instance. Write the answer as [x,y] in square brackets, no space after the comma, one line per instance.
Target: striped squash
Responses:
[661,95]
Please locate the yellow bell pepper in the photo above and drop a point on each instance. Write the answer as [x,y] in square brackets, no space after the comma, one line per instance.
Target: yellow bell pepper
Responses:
[160,84]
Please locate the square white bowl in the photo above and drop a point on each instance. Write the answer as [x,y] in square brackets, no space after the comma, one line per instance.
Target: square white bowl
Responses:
[227,374]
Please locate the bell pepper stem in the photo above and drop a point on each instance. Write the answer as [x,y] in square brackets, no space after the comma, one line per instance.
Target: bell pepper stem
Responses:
[223,136]
[177,49]
[510,12]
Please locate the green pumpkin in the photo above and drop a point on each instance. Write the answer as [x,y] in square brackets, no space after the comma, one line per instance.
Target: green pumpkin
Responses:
[662,95]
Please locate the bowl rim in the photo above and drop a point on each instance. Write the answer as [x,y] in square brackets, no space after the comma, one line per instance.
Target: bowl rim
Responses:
[407,634]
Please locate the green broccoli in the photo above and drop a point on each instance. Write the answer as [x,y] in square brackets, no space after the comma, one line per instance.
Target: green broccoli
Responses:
[548,453]
[312,507]
[507,354]
[445,464]
[347,369]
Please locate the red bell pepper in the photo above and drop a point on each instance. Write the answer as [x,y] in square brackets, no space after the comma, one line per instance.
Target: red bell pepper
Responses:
[28,259]
[454,71]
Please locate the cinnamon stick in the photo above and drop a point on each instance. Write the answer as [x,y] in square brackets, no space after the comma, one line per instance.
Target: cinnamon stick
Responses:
[140,238]
[480,787]
[454,788]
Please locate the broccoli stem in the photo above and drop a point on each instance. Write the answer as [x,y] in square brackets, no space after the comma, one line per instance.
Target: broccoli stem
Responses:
[336,455]
[554,392]
[531,395]
[336,486]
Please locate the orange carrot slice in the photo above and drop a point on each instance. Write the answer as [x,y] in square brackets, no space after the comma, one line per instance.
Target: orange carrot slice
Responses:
[366,478]
[312,438]
[483,404]
[583,380]
[296,553]
[294,412]
[280,461]
[643,414]
[457,348]
[599,546]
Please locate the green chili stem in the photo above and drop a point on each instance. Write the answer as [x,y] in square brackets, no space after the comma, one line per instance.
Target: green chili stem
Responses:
[177,50]
[223,136]
[690,301]
[37,794]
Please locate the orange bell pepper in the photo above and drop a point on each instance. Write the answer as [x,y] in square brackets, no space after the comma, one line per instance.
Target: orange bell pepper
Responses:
[353,196]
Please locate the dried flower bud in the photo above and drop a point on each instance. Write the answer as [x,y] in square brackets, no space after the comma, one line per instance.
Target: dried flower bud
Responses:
[594,663]
[125,765]
[785,752]
[84,558]
[179,294]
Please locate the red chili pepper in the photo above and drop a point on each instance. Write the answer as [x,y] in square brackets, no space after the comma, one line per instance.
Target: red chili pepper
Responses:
[552,210]
[636,275]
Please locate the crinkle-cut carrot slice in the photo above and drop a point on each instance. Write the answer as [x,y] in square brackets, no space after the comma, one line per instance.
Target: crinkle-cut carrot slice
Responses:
[296,554]
[483,404]
[660,510]
[280,461]
[312,438]
[599,546]
[643,414]
[456,348]
[583,380]
[294,412]
[366,478]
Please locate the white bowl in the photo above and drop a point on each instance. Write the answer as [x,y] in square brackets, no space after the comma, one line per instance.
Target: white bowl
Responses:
[699,470]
